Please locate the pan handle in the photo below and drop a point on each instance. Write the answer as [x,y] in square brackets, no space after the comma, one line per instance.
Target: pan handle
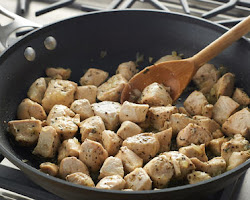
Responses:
[18,22]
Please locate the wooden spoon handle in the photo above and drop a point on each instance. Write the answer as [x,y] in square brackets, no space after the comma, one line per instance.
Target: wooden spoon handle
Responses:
[221,43]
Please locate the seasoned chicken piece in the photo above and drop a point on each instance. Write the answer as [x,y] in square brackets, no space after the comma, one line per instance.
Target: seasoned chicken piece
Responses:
[207,123]
[111,166]
[71,165]
[236,144]
[37,90]
[164,137]
[193,133]
[83,108]
[160,114]
[207,110]
[213,167]
[197,176]
[128,129]
[111,142]
[49,168]
[178,122]
[217,134]
[129,159]
[28,108]
[92,128]
[195,151]
[241,97]
[195,103]
[48,142]
[173,56]
[92,154]
[26,132]
[59,92]
[206,77]
[69,147]
[80,179]
[223,108]
[86,92]
[133,112]
[238,123]
[114,182]
[215,145]
[112,89]
[224,86]
[182,164]
[138,180]
[109,112]
[160,170]
[238,158]
[94,77]
[59,73]
[182,110]
[155,94]
[127,69]
[145,145]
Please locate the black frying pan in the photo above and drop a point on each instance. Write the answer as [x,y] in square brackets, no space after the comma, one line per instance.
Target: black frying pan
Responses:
[122,34]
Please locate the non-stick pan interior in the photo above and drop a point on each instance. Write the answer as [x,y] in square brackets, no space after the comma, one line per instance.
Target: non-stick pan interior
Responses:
[82,42]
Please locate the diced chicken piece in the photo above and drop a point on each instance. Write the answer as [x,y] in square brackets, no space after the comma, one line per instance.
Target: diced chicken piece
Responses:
[145,145]
[224,86]
[133,112]
[213,167]
[80,179]
[173,56]
[241,97]
[114,182]
[48,142]
[195,103]
[223,108]
[59,72]
[238,158]
[182,110]
[28,108]
[207,110]
[109,112]
[160,114]
[128,129]
[94,77]
[86,92]
[217,134]
[49,168]
[178,122]
[92,128]
[59,92]
[193,133]
[215,145]
[129,159]
[206,77]
[71,165]
[195,151]
[112,89]
[111,166]
[127,69]
[145,125]
[207,123]
[197,176]
[182,164]
[111,142]
[37,90]
[164,137]
[155,94]
[92,154]
[238,123]
[160,170]
[70,147]
[236,144]
[138,180]
[26,132]
[83,108]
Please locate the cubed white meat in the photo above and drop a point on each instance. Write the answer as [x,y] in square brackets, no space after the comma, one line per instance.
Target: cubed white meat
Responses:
[127,69]
[114,182]
[133,112]
[109,112]
[86,92]
[111,166]
[59,72]
[128,129]
[238,158]
[111,90]
[207,110]
[183,110]
[111,142]
[195,151]
[207,123]
[241,97]
[164,137]
[217,134]
[37,90]
[92,154]
[215,145]
[197,176]
[80,179]
[49,168]
[69,147]
[165,58]
[94,77]
[83,108]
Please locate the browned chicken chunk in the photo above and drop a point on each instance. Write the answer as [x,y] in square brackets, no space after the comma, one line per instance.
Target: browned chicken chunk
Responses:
[60,73]
[173,56]
[94,77]
[80,179]
[197,176]
[69,147]
[111,166]
[37,90]
[207,110]
[49,168]
[86,92]
[241,97]
[114,182]
[127,69]
[215,145]
[128,129]
[164,137]
[111,142]
[83,108]
[237,158]
[207,123]
[195,151]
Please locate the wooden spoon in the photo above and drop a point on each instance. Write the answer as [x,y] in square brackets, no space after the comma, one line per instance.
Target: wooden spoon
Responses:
[177,74]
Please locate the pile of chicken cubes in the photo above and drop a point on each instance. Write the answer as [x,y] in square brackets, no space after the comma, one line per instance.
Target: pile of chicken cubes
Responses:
[133,146]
